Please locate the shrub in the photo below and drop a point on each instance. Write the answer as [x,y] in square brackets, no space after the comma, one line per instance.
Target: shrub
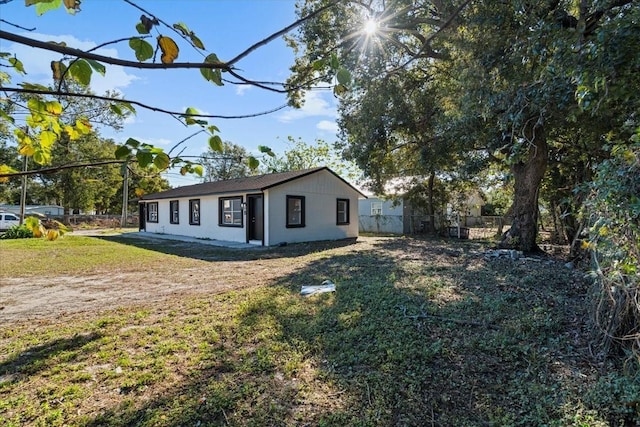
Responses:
[17,232]
[613,209]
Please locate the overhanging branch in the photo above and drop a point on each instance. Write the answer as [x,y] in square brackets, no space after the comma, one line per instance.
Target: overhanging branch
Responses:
[139,104]
[62,167]
[108,59]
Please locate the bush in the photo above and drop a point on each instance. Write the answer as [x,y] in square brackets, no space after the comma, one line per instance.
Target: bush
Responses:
[613,209]
[17,232]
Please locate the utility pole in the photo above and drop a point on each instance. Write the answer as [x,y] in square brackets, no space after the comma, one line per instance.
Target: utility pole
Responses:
[125,195]
[23,189]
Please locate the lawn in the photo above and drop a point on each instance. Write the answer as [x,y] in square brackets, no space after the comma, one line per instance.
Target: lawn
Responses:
[122,331]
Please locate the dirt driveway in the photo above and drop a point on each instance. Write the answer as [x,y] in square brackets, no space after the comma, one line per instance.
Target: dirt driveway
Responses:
[31,298]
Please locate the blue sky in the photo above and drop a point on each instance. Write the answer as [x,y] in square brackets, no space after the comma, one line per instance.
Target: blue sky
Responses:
[226,27]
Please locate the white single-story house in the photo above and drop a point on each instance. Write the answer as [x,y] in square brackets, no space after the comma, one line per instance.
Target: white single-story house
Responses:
[378,215]
[288,207]
[399,216]
[48,210]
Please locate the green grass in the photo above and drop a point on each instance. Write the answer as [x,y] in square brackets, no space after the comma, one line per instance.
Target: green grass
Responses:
[415,335]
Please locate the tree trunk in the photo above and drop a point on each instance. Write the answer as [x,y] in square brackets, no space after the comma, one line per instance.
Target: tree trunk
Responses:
[430,207]
[527,175]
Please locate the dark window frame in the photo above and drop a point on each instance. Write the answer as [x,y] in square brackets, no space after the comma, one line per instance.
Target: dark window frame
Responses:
[289,215]
[347,212]
[176,211]
[195,219]
[221,211]
[150,212]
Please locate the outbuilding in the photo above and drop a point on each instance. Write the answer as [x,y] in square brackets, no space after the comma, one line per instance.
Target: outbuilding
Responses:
[272,209]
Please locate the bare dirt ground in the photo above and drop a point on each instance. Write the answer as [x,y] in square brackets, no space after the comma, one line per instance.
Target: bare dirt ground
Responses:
[39,298]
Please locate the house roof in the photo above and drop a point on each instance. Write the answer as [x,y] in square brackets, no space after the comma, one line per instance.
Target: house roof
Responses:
[247,184]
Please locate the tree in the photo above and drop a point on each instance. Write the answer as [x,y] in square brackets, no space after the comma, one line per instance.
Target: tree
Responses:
[87,188]
[228,164]
[78,65]
[301,155]
[504,75]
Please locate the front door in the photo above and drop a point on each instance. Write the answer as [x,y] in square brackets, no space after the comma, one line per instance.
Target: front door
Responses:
[142,217]
[255,217]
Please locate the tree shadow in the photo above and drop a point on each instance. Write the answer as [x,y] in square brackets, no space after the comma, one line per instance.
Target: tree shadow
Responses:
[40,357]
[205,252]
[418,332]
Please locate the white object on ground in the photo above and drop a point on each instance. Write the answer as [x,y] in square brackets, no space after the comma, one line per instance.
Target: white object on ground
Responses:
[327,286]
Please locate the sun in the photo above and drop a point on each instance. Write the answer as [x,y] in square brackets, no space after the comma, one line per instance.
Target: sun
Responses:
[370,27]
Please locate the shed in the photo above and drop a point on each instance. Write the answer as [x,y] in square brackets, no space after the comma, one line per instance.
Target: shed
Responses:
[288,207]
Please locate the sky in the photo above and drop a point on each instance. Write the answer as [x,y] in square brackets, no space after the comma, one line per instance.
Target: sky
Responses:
[226,27]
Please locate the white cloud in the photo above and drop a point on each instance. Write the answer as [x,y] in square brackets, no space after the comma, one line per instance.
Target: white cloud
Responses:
[37,63]
[327,126]
[155,141]
[314,105]
[241,89]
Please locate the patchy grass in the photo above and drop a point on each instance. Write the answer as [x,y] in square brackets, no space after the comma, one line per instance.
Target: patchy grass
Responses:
[419,332]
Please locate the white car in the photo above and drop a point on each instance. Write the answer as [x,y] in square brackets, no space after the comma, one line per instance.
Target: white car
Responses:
[8,220]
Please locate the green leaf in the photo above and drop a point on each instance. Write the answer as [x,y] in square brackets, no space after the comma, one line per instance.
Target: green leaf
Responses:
[318,65]
[115,109]
[344,77]
[340,89]
[161,161]
[334,63]
[32,86]
[266,150]
[15,63]
[97,66]
[215,142]
[127,106]
[6,117]
[212,75]
[44,6]
[253,162]
[122,152]
[39,157]
[80,70]
[141,28]
[196,41]
[142,48]
[193,121]
[47,139]
[182,27]
[144,158]
[198,170]
[213,129]
[133,143]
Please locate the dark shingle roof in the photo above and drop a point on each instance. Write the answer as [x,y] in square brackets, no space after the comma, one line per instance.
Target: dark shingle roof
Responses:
[247,184]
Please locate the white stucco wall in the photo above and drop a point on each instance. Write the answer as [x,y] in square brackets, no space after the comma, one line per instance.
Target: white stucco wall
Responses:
[208,228]
[321,191]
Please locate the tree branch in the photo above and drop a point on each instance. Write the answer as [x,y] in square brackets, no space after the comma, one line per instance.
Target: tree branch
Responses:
[108,59]
[280,33]
[140,104]
[59,168]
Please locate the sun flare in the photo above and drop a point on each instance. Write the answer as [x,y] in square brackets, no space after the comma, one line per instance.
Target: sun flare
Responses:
[370,27]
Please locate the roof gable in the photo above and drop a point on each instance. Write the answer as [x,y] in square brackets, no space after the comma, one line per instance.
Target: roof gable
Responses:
[247,184]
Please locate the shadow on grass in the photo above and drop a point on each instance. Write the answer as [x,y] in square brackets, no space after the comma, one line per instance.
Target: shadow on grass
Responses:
[39,357]
[204,252]
[419,332]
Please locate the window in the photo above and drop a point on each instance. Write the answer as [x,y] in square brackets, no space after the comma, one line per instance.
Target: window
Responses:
[230,212]
[342,212]
[194,211]
[152,212]
[376,208]
[174,217]
[295,211]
